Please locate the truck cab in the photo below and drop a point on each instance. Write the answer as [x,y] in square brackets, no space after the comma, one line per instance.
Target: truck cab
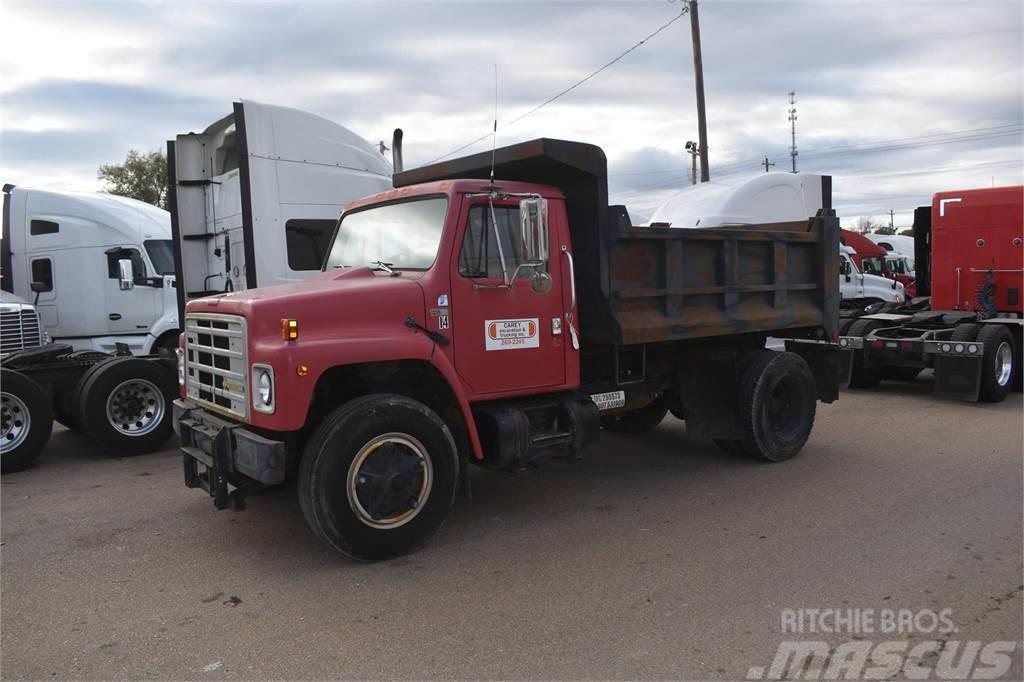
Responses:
[98,267]
[860,288]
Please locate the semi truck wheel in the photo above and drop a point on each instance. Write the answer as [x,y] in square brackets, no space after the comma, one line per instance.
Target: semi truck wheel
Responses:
[999,365]
[966,331]
[124,405]
[378,477]
[65,409]
[642,420]
[863,377]
[778,400]
[26,420]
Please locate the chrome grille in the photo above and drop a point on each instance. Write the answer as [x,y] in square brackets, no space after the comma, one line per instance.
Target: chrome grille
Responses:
[19,329]
[216,373]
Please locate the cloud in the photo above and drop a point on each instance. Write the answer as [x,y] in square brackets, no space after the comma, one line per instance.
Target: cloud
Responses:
[85,82]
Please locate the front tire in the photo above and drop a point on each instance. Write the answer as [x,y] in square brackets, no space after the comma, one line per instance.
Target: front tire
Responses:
[378,477]
[26,421]
[124,405]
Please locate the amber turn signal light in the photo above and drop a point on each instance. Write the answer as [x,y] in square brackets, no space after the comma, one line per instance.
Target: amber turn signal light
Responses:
[289,330]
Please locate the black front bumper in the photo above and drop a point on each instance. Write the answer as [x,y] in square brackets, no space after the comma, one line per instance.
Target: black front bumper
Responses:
[223,458]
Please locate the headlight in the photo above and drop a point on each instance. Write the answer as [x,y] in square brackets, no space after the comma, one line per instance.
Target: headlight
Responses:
[263,388]
[181,365]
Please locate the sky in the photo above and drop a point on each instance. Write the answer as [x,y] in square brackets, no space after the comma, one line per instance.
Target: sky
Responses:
[895,100]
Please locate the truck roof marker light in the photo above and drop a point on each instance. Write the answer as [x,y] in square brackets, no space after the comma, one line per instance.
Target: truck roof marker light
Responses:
[907,345]
[302,370]
[876,343]
[289,329]
[445,185]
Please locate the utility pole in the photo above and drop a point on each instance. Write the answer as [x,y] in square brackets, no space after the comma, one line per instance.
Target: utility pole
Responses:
[793,128]
[698,69]
[892,221]
[767,163]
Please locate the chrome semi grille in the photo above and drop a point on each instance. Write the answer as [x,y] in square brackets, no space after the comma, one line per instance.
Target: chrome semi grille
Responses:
[215,364]
[19,329]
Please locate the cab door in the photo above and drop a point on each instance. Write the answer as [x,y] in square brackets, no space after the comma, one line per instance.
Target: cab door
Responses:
[129,311]
[510,338]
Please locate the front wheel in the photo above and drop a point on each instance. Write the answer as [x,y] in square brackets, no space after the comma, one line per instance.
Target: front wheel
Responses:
[378,477]
[26,420]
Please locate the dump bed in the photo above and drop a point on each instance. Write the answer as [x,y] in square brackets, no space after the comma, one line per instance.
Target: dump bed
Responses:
[651,284]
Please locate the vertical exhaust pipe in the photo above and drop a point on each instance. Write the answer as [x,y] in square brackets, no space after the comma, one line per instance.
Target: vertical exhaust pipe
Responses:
[396,151]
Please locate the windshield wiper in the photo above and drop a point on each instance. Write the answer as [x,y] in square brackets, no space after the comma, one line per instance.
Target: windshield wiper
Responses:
[386,267]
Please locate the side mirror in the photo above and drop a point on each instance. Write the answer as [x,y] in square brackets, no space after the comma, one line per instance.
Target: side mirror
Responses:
[125,274]
[533,223]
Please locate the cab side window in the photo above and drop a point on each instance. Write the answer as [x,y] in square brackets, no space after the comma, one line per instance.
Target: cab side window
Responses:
[138,265]
[480,256]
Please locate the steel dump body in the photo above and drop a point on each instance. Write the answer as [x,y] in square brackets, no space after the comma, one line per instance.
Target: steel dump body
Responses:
[641,285]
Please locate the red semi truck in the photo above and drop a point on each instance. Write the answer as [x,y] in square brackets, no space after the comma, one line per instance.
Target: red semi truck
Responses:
[970,262]
[461,319]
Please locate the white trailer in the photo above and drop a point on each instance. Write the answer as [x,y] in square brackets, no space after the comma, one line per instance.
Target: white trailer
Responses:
[255,197]
[64,250]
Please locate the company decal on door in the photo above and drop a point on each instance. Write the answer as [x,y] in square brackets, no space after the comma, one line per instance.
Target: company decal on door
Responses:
[511,334]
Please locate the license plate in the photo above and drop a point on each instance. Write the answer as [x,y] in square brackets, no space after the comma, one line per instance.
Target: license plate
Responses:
[608,401]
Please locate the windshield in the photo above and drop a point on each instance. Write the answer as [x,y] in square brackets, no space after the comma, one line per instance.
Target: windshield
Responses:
[161,253]
[402,235]
[872,265]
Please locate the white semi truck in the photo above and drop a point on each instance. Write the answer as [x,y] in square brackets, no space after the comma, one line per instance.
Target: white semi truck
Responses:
[255,197]
[63,252]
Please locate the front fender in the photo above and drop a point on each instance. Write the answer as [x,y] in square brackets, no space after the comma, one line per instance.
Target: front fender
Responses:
[318,355]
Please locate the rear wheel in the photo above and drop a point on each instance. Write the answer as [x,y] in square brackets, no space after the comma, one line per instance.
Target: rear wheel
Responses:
[861,376]
[125,405]
[637,421]
[999,365]
[378,477]
[778,401]
[26,420]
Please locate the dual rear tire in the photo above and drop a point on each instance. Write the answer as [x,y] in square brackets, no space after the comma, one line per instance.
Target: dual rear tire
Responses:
[26,420]
[777,405]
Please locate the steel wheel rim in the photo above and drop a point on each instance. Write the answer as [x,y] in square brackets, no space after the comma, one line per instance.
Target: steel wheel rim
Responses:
[375,496]
[135,407]
[1004,363]
[15,422]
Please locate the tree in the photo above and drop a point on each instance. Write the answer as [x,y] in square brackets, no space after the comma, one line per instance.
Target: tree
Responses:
[866,224]
[142,176]
[885,229]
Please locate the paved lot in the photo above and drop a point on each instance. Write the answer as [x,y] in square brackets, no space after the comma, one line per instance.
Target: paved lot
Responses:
[657,557]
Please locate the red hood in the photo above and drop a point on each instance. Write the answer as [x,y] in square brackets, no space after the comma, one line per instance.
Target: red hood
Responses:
[355,297]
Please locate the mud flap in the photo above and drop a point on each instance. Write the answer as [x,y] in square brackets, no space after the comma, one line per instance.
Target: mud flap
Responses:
[825,360]
[958,376]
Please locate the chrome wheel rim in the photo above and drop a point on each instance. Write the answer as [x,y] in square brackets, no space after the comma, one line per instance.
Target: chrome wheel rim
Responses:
[135,407]
[15,422]
[389,481]
[1004,363]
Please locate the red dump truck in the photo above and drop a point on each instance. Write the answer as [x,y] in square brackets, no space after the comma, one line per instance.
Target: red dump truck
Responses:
[462,319]
[967,323]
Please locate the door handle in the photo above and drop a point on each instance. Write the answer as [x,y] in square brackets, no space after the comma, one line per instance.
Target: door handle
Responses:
[114,316]
[572,300]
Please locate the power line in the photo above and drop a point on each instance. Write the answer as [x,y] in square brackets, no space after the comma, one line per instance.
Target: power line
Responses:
[855,145]
[568,89]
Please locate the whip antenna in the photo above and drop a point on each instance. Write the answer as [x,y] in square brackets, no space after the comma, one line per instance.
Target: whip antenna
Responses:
[494,132]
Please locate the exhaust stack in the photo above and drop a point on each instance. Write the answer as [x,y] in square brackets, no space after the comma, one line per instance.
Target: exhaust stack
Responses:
[396,151]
